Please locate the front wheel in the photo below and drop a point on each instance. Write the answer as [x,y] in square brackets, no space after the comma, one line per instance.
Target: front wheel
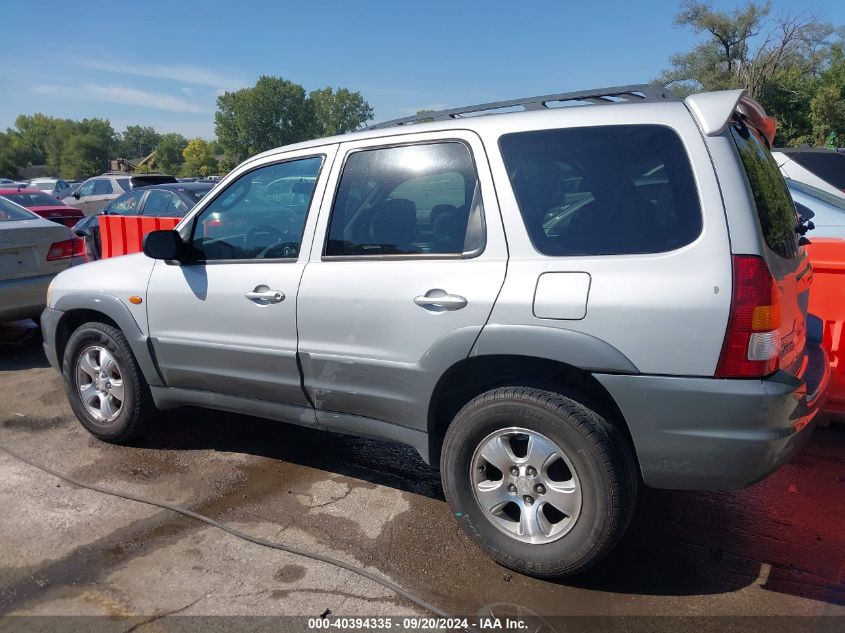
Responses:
[543,484]
[104,385]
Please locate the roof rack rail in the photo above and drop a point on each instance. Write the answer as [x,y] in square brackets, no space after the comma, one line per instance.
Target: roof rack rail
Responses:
[615,94]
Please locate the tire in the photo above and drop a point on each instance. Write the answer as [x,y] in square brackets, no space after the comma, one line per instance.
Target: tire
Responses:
[133,413]
[594,467]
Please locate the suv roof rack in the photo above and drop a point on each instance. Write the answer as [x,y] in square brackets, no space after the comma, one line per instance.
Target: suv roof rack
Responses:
[615,94]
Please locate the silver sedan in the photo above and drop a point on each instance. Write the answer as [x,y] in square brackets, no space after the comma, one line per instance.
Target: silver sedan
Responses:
[32,251]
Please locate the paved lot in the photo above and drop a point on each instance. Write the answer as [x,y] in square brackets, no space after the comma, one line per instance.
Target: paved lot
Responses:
[777,548]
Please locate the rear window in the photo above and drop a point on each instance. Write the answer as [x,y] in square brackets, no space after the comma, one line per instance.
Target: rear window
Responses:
[609,190]
[829,166]
[34,200]
[9,211]
[775,208]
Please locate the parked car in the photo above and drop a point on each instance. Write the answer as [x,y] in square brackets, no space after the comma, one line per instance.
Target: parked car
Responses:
[43,204]
[55,187]
[95,193]
[417,293]
[825,209]
[821,168]
[32,251]
[158,200]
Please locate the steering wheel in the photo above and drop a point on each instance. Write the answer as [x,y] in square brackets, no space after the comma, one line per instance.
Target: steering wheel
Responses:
[275,236]
[280,250]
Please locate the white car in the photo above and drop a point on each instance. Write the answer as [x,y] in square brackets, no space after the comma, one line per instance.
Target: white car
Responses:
[821,168]
[827,209]
[55,187]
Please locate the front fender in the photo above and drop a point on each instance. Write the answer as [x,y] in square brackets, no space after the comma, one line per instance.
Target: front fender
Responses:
[117,311]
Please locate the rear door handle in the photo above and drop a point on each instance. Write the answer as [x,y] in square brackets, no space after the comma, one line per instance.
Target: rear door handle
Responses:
[438,300]
[264,295]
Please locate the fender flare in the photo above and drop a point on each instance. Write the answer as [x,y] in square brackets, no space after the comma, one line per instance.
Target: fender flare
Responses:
[116,310]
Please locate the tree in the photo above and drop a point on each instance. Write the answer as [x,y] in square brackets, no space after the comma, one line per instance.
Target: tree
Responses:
[199,159]
[10,156]
[83,155]
[777,59]
[278,112]
[33,132]
[169,152]
[339,112]
[137,141]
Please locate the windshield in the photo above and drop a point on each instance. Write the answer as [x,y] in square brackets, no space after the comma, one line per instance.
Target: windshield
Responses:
[10,211]
[818,194]
[44,186]
[34,200]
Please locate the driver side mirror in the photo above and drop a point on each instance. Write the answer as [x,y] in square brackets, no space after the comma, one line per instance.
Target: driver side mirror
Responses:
[165,245]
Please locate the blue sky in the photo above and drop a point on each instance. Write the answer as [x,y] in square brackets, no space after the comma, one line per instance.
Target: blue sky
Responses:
[163,63]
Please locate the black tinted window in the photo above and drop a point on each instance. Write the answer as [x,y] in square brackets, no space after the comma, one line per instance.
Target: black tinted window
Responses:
[771,196]
[248,221]
[608,190]
[157,202]
[829,166]
[407,200]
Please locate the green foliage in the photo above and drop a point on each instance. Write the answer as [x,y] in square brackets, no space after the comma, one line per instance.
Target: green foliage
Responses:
[788,62]
[11,156]
[169,150]
[278,112]
[340,111]
[83,155]
[199,159]
[137,141]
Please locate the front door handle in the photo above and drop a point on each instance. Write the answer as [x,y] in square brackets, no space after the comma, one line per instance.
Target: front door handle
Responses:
[438,300]
[264,295]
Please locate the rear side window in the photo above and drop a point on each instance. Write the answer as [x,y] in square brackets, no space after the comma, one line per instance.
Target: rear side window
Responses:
[829,166]
[102,188]
[771,196]
[408,200]
[609,190]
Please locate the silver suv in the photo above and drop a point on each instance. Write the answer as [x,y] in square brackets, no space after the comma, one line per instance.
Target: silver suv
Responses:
[553,306]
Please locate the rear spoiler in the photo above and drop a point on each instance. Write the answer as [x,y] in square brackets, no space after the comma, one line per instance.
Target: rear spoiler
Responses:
[713,111]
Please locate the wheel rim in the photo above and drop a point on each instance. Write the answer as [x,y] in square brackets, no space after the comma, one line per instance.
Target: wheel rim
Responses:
[99,383]
[526,485]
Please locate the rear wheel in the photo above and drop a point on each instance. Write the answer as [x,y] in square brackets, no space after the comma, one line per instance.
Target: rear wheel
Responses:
[104,384]
[544,485]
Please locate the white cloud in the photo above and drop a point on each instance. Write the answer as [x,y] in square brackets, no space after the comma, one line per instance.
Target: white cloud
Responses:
[176,72]
[119,94]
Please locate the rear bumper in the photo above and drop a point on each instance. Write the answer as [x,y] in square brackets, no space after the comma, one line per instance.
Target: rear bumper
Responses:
[713,434]
[23,298]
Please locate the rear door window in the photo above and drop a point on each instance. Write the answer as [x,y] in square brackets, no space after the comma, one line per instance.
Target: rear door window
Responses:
[126,204]
[774,205]
[609,190]
[102,187]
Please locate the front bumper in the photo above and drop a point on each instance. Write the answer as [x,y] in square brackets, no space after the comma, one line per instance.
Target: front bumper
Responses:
[49,324]
[716,434]
[23,298]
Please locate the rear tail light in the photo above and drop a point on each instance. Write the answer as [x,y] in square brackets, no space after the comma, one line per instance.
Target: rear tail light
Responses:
[66,249]
[752,342]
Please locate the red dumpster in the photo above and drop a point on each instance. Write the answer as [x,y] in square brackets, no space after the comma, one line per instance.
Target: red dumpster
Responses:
[827,301]
[124,234]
